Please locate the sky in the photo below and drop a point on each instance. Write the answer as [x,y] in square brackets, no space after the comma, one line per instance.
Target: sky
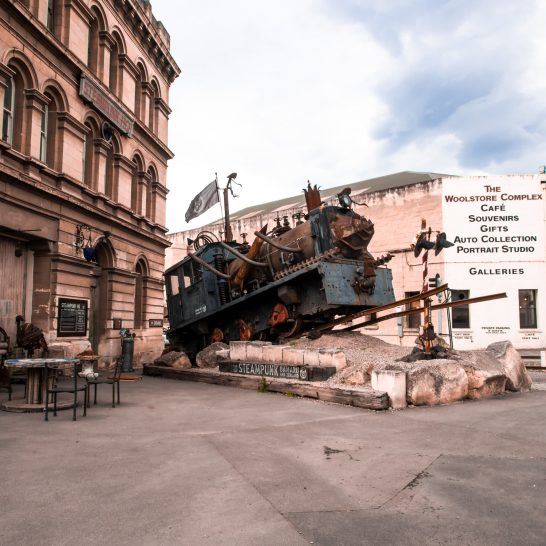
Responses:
[337,91]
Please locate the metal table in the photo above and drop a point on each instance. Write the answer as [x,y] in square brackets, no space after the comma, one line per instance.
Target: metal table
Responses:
[35,384]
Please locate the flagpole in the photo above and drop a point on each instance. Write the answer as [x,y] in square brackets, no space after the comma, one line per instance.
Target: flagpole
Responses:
[219,199]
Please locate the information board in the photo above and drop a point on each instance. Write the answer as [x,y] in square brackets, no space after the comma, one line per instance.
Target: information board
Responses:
[72,318]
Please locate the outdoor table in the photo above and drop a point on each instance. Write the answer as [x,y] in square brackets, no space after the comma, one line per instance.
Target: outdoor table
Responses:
[35,385]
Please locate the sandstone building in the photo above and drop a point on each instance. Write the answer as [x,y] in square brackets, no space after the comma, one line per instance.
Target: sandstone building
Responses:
[497,224]
[84,87]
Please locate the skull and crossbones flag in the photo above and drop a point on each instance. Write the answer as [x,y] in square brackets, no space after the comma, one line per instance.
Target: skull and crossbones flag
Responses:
[202,202]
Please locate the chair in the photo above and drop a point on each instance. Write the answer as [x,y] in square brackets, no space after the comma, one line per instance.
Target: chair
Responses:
[5,374]
[55,390]
[113,380]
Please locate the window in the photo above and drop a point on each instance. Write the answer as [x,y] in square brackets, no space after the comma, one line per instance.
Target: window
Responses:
[8,110]
[43,134]
[528,309]
[174,284]
[88,155]
[191,273]
[413,321]
[51,16]
[460,316]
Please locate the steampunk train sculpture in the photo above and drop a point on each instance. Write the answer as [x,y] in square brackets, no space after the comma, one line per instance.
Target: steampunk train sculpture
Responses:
[290,279]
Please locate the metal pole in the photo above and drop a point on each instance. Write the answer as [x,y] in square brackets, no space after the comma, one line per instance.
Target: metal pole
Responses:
[228,236]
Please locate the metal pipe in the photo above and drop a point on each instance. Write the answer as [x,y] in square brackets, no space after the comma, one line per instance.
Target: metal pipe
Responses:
[274,243]
[204,264]
[242,256]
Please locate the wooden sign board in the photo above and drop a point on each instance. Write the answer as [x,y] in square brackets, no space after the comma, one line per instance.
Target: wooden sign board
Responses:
[71,318]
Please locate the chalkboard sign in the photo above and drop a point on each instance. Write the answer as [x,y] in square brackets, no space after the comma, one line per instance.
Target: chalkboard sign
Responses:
[72,318]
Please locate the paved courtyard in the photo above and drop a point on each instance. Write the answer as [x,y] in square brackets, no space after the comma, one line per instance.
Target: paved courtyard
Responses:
[188,463]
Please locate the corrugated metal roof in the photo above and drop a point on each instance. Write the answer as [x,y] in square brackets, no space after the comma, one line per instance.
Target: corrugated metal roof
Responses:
[396,180]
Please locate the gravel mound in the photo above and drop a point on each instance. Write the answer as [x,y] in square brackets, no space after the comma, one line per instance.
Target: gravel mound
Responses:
[363,354]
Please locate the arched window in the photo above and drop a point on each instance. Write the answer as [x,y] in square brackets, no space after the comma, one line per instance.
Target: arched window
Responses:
[136,184]
[50,135]
[94,53]
[15,115]
[140,299]
[93,47]
[8,111]
[88,159]
[111,175]
[152,179]
[152,121]
[54,16]
[114,68]
[140,96]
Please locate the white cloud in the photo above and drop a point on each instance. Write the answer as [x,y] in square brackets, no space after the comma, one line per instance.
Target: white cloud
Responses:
[340,91]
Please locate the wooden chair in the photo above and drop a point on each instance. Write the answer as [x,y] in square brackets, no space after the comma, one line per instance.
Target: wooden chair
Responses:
[5,374]
[55,390]
[112,380]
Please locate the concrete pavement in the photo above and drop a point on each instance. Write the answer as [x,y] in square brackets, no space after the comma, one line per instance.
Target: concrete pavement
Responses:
[189,463]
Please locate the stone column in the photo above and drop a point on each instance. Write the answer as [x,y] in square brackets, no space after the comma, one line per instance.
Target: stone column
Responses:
[32,122]
[70,145]
[124,168]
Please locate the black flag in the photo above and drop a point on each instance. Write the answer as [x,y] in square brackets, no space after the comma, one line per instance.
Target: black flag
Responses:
[203,201]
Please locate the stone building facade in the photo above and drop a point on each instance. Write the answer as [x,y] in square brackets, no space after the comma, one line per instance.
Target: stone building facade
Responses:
[497,223]
[84,87]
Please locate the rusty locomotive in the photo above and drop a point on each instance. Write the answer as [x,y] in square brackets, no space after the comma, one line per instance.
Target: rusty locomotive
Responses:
[290,279]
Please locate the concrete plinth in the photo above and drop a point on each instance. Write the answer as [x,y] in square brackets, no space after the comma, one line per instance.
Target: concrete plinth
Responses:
[237,350]
[332,357]
[394,384]
[273,353]
[293,357]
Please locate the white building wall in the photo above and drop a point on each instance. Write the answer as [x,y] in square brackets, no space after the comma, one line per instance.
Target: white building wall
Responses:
[498,226]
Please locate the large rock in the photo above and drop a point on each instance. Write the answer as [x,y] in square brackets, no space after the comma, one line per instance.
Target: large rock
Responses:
[173,359]
[209,357]
[485,374]
[432,382]
[517,378]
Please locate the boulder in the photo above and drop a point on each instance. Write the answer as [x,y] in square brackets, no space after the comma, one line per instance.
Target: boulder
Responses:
[432,382]
[485,374]
[209,356]
[517,378]
[173,359]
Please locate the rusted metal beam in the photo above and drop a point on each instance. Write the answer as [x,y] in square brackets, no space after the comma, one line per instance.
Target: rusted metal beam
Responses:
[437,307]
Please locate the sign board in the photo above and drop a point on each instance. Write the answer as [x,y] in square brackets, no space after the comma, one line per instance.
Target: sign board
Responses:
[72,318]
[284,371]
[155,323]
[92,93]
[497,226]
[117,323]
